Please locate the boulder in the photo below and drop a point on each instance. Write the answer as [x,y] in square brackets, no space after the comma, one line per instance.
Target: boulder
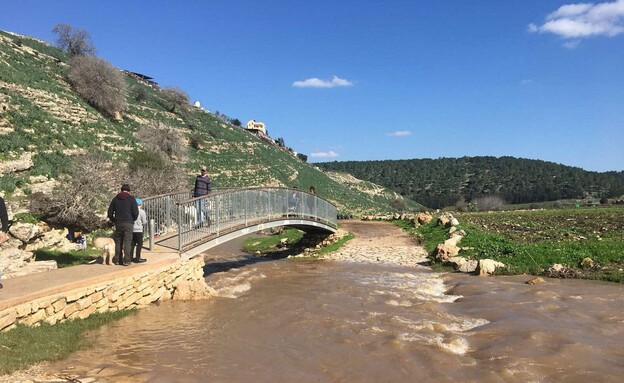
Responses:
[193,290]
[587,263]
[423,218]
[445,251]
[560,271]
[535,281]
[17,165]
[25,232]
[454,221]
[464,265]
[488,266]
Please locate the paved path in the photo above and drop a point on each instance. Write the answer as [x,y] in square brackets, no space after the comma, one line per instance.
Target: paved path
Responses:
[28,287]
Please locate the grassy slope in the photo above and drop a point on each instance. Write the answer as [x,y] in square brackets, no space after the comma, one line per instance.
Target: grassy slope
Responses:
[51,121]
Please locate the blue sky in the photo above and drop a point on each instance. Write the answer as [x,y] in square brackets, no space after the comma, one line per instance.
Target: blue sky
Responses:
[359,80]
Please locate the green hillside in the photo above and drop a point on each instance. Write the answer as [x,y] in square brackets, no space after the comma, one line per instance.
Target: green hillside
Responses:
[444,181]
[44,119]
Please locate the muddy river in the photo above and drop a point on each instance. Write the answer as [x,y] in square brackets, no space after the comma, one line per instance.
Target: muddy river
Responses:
[331,321]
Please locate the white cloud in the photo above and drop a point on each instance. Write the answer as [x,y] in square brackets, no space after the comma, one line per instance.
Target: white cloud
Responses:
[318,83]
[328,154]
[573,22]
[399,133]
[526,81]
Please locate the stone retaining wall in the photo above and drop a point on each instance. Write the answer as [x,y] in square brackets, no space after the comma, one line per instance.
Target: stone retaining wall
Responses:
[127,292]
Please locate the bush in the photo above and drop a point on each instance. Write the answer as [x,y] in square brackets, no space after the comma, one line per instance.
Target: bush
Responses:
[162,139]
[177,100]
[140,94]
[152,174]
[99,83]
[75,41]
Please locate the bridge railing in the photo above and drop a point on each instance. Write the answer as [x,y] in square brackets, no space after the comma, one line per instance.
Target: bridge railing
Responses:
[161,212]
[208,216]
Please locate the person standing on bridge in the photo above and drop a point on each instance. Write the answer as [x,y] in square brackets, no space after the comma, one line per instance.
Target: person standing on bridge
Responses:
[123,211]
[203,187]
[137,234]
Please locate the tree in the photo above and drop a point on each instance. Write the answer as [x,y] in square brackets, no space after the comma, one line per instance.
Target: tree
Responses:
[87,190]
[177,99]
[99,83]
[237,122]
[280,142]
[302,157]
[75,41]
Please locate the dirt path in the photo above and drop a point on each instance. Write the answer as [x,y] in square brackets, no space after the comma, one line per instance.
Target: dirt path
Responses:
[379,242]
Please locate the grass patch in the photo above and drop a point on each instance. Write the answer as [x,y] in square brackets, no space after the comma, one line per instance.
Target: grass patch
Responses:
[531,242]
[333,247]
[25,218]
[269,244]
[24,346]
[68,258]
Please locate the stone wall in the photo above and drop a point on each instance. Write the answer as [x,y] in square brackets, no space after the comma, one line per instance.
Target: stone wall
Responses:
[126,292]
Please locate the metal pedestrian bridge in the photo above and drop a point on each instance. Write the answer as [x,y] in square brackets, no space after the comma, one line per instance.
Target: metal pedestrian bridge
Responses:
[193,225]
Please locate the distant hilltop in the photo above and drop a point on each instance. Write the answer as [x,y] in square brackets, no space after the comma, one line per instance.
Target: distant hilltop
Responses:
[448,181]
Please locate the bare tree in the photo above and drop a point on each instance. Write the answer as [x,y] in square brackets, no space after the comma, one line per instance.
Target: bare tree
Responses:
[99,83]
[164,140]
[83,196]
[177,99]
[75,41]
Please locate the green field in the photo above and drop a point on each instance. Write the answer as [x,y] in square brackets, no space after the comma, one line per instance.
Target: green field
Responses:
[532,241]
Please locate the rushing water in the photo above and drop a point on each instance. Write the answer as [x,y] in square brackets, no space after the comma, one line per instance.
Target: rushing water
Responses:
[286,321]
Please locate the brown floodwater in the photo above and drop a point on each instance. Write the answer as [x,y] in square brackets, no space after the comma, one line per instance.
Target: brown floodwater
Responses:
[293,321]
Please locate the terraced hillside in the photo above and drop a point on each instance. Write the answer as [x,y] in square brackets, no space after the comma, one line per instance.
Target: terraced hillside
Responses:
[44,123]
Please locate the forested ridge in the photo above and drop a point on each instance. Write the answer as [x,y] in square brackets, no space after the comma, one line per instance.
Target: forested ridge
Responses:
[444,181]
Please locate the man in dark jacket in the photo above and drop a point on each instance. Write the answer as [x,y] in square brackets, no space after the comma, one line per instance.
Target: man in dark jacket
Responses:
[123,211]
[203,187]
[4,219]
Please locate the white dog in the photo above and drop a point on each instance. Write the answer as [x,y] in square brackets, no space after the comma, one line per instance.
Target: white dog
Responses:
[108,244]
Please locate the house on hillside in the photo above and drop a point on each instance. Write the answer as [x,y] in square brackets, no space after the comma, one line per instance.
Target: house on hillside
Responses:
[256,127]
[147,80]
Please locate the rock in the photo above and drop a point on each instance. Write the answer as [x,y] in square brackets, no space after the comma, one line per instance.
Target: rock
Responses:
[452,229]
[446,219]
[454,240]
[192,290]
[470,266]
[25,232]
[560,271]
[423,218]
[535,281]
[454,221]
[23,163]
[445,251]
[30,268]
[488,266]
[587,263]
[284,241]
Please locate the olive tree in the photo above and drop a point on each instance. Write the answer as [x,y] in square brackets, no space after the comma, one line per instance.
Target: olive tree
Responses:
[75,41]
[99,83]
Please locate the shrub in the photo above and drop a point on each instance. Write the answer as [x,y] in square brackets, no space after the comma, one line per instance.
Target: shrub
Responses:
[196,141]
[490,202]
[140,94]
[99,83]
[162,139]
[75,41]
[177,100]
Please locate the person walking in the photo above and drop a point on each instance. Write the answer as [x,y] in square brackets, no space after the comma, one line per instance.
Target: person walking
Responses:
[4,234]
[123,211]
[137,234]
[203,187]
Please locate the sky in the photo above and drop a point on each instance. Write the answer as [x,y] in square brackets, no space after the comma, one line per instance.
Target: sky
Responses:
[374,80]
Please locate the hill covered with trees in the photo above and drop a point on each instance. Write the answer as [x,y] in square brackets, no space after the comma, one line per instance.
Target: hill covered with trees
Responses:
[445,181]
[73,127]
